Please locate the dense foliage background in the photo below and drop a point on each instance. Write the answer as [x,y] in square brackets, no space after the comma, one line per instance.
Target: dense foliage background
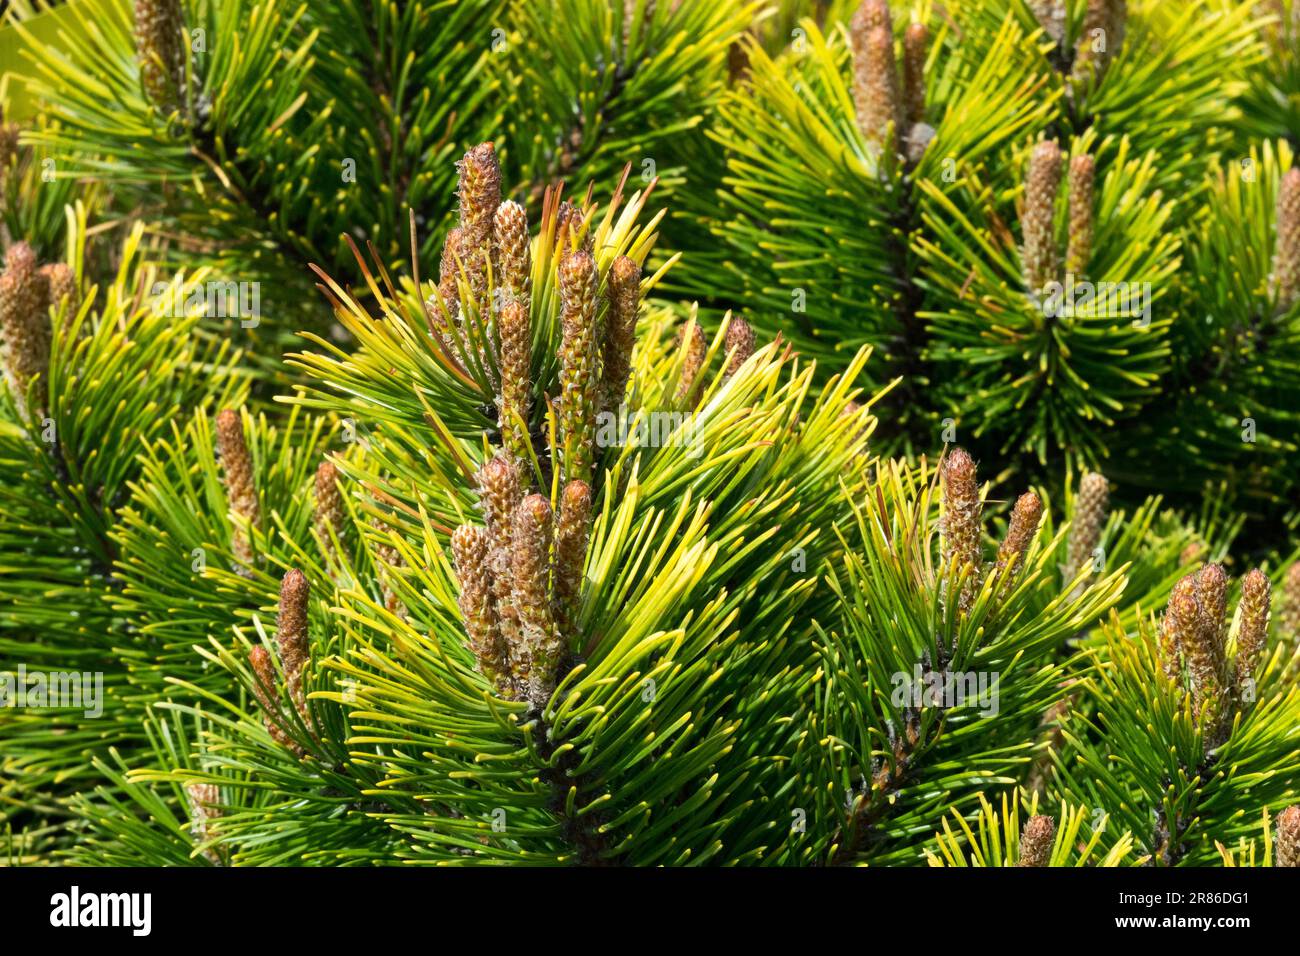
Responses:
[476,431]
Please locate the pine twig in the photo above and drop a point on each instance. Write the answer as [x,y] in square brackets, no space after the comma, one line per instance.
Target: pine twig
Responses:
[962,518]
[875,75]
[1079,247]
[1086,523]
[578,379]
[620,331]
[1036,841]
[530,567]
[25,325]
[241,492]
[1286,845]
[1038,216]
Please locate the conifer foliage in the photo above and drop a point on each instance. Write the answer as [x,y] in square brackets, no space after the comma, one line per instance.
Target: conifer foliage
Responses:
[675,436]
[1013,201]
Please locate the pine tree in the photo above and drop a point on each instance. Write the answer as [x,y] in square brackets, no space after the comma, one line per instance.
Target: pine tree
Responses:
[82,363]
[260,133]
[999,839]
[1179,717]
[593,622]
[922,622]
[690,455]
[934,181]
